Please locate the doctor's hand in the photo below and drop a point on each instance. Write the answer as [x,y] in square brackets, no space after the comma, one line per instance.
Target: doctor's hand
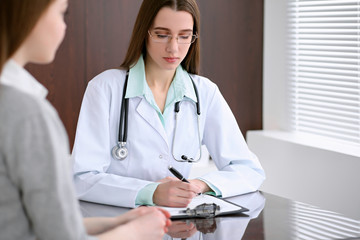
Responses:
[201,185]
[171,192]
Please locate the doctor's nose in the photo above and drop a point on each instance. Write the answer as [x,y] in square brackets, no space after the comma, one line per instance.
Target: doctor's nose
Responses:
[172,45]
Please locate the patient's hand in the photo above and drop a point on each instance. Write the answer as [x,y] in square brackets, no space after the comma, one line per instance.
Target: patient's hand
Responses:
[181,229]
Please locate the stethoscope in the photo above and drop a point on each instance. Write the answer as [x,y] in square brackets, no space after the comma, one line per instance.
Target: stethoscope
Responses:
[120,152]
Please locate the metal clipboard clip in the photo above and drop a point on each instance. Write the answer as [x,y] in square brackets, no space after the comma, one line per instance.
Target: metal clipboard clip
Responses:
[205,210]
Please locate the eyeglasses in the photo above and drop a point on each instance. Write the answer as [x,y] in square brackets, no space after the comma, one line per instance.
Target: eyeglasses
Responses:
[162,37]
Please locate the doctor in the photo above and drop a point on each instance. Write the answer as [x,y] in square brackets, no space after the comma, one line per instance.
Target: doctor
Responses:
[162,64]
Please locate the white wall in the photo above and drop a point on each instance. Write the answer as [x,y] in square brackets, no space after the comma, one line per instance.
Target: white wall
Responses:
[274,72]
[300,168]
[316,176]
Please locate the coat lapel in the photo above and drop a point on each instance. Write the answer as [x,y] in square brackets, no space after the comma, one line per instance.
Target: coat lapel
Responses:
[151,117]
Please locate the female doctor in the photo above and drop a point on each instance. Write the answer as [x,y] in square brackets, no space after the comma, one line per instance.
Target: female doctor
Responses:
[125,163]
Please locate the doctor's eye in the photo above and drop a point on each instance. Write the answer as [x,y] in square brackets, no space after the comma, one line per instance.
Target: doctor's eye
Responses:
[185,37]
[162,36]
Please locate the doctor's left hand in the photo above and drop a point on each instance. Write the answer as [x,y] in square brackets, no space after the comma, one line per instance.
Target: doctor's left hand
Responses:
[201,185]
[171,192]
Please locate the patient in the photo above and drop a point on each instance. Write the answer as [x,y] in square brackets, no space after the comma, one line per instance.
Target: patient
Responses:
[37,198]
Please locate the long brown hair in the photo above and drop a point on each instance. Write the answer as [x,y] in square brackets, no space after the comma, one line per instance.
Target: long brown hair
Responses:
[147,13]
[17,19]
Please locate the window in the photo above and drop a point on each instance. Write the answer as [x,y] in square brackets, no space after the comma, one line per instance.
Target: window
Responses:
[324,68]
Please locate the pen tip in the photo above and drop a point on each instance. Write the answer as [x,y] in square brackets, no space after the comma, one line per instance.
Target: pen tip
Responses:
[169,166]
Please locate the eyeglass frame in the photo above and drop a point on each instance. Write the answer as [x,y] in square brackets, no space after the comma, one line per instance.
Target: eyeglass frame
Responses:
[170,37]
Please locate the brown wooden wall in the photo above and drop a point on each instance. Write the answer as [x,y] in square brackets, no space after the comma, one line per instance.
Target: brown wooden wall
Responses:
[97,38]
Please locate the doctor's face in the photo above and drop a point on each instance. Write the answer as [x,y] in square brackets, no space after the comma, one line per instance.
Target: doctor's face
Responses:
[43,41]
[169,39]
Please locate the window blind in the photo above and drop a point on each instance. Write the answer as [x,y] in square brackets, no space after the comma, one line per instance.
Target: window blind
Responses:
[324,67]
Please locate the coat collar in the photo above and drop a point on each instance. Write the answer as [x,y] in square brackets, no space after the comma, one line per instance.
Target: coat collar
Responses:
[137,85]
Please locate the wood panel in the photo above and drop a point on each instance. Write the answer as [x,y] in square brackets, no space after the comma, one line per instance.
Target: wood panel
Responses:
[97,38]
[108,30]
[232,44]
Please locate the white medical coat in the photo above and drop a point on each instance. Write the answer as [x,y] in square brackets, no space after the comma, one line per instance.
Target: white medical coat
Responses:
[101,178]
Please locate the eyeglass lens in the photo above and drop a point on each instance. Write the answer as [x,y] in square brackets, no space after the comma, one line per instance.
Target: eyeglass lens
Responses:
[164,37]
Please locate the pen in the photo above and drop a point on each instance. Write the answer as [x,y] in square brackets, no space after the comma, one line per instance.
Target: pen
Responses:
[177,174]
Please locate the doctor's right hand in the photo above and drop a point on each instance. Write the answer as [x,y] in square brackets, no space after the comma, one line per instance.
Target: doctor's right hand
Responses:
[171,192]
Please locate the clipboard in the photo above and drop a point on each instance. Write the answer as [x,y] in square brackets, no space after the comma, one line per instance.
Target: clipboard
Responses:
[205,206]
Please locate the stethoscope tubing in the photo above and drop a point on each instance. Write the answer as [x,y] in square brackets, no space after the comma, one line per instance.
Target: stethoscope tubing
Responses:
[122,138]
[184,158]
[123,126]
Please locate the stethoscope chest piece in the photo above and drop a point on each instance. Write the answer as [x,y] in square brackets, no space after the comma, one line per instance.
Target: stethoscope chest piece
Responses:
[119,151]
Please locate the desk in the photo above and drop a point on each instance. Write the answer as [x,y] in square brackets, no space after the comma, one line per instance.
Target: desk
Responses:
[270,217]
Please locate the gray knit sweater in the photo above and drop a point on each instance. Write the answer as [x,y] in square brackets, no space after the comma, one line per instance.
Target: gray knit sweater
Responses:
[37,199]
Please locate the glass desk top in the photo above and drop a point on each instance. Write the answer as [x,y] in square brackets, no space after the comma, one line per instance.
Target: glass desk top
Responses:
[269,217]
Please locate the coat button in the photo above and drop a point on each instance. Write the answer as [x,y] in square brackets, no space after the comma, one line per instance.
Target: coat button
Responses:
[160,156]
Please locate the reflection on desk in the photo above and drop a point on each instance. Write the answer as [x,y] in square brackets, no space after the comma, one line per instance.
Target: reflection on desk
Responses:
[279,218]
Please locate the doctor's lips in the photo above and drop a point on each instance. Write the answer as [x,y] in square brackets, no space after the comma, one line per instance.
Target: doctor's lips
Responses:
[171,59]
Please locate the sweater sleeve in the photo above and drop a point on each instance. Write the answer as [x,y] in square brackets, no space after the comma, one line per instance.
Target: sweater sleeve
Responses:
[40,168]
